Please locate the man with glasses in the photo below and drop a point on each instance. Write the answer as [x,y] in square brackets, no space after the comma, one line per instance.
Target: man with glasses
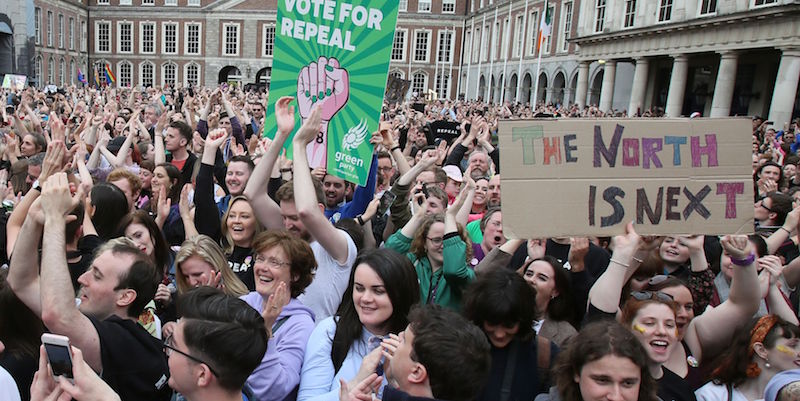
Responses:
[216,344]
[770,212]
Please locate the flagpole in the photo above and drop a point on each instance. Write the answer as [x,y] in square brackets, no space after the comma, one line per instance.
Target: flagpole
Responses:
[539,62]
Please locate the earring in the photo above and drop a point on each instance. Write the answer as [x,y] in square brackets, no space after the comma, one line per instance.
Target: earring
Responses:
[767,365]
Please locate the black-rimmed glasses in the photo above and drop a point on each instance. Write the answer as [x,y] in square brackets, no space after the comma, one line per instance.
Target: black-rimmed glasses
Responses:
[168,348]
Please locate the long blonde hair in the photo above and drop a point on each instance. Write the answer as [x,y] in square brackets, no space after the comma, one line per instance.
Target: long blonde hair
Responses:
[226,240]
[207,249]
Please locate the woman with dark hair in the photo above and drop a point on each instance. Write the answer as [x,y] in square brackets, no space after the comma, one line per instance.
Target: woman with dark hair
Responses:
[146,176]
[166,191]
[684,257]
[107,206]
[284,267]
[381,292]
[764,347]
[554,300]
[503,305]
[437,246]
[140,228]
[604,361]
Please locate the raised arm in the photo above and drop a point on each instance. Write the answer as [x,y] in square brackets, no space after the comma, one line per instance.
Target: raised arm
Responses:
[267,211]
[23,272]
[308,207]
[713,330]
[771,268]
[607,290]
[780,236]
[59,312]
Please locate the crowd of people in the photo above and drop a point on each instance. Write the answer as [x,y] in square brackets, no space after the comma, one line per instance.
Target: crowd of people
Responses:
[186,257]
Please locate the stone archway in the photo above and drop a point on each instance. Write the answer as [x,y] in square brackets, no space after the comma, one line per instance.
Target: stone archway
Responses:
[511,96]
[227,73]
[542,93]
[572,89]
[559,83]
[481,87]
[594,90]
[263,75]
[527,82]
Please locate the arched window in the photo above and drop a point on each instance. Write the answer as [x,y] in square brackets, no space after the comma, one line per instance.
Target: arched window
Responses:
[419,83]
[192,74]
[62,72]
[125,74]
[51,69]
[37,70]
[146,74]
[169,74]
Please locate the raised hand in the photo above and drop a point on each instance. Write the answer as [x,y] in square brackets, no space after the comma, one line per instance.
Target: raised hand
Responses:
[216,138]
[310,128]
[57,200]
[736,246]
[536,248]
[274,305]
[284,115]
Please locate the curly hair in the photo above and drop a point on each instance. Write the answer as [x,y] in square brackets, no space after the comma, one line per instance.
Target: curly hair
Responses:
[593,342]
[304,265]
[418,248]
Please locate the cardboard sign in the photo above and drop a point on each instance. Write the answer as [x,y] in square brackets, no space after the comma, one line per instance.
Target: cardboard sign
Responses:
[574,177]
[334,55]
[396,89]
[12,81]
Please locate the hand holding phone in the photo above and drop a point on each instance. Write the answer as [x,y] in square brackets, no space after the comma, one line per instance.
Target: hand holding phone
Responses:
[59,357]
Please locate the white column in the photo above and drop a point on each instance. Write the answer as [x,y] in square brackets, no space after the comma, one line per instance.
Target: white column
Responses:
[639,88]
[607,91]
[723,89]
[785,88]
[677,85]
[583,84]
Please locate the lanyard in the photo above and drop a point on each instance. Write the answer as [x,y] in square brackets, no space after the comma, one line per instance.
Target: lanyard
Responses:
[434,288]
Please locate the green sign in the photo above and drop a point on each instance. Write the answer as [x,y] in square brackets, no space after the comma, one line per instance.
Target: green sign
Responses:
[334,55]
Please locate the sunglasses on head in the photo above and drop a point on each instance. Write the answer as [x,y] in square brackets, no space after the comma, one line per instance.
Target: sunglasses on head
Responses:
[646,295]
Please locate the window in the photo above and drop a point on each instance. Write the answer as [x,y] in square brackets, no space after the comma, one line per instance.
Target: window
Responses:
[192,74]
[60,31]
[194,3]
[665,11]
[442,85]
[83,36]
[146,72]
[147,32]
[424,6]
[448,6]
[99,67]
[37,23]
[50,28]
[51,69]
[72,72]
[477,43]
[519,36]
[168,74]
[496,40]
[192,38]
[445,47]
[399,45]
[231,43]
[124,2]
[147,2]
[403,5]
[62,72]
[599,15]
[397,74]
[468,45]
[170,2]
[708,7]
[72,33]
[566,12]
[551,12]
[103,37]
[533,32]
[485,44]
[506,36]
[419,83]
[421,45]
[630,13]
[764,2]
[37,70]
[102,2]
[170,38]
[125,37]
[125,74]
[269,39]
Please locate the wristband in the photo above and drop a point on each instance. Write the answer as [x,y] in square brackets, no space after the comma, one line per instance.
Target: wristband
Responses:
[37,188]
[396,147]
[787,231]
[360,220]
[286,170]
[744,262]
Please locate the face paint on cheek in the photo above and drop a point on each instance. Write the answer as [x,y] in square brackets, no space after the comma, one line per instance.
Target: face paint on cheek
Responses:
[786,350]
[638,328]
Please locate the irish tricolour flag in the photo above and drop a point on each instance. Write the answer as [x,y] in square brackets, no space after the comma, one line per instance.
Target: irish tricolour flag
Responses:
[545,27]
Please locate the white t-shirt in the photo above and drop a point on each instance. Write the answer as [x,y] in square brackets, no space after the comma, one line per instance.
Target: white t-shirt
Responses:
[8,387]
[325,292]
[718,392]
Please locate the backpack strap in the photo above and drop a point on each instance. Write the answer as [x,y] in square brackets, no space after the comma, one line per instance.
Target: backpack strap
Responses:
[278,324]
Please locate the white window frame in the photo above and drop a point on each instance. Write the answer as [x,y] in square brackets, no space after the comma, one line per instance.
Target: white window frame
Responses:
[50,29]
[403,52]
[72,72]
[51,70]
[427,45]
[142,25]
[125,3]
[264,29]
[422,9]
[37,23]
[102,2]
[440,42]
[424,82]
[398,73]
[403,6]
[38,63]
[164,73]
[141,73]
[495,45]
[149,3]
[186,35]
[629,12]
[193,3]
[119,37]
[477,36]
[83,37]
[767,3]
[664,5]
[468,45]
[97,42]
[186,73]
[519,36]
[567,17]
[72,33]
[442,92]
[451,3]
[62,71]
[533,32]
[120,75]
[599,21]
[505,38]
[225,38]
[485,54]
[164,26]
[708,13]
[60,31]
[171,3]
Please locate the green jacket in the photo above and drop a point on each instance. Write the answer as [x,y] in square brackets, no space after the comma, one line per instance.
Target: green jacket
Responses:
[452,278]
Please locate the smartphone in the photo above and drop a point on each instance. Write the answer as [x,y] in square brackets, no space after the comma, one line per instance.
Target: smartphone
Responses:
[59,356]
[163,100]
[387,199]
